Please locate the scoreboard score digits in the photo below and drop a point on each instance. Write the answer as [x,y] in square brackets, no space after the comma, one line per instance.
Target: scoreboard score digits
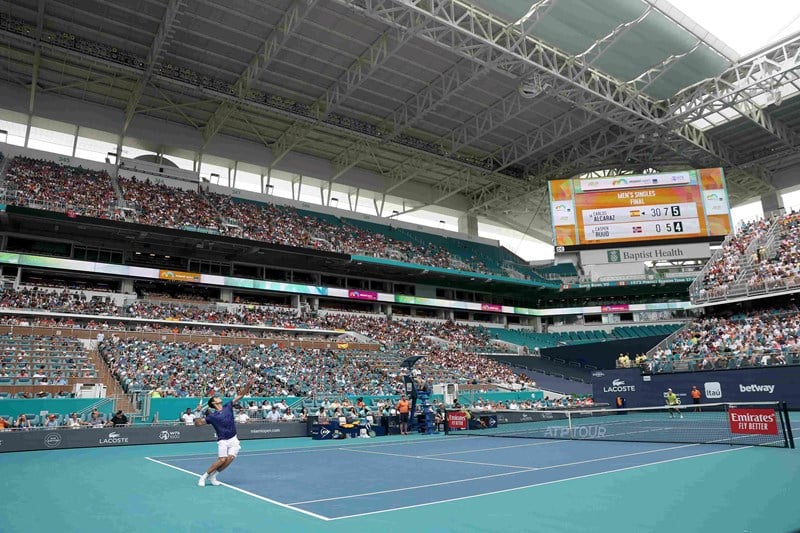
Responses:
[691,204]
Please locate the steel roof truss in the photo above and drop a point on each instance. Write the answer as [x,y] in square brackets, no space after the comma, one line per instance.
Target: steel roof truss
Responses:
[748,79]
[380,51]
[468,31]
[290,21]
[160,42]
[37,60]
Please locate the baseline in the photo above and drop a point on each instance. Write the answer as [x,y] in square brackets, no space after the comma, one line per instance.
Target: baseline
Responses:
[243,491]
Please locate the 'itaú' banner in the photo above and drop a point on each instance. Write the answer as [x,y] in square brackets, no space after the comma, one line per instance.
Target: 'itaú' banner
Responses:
[757,384]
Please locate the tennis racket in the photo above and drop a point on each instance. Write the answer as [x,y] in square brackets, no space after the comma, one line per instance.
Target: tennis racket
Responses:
[203,394]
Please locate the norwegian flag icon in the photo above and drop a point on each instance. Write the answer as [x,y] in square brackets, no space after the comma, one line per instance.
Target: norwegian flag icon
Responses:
[637,229]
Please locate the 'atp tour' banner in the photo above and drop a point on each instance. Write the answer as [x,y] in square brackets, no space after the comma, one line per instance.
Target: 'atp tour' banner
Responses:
[765,384]
[53,439]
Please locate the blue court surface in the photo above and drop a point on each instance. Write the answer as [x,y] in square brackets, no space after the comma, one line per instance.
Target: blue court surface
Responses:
[398,484]
[368,477]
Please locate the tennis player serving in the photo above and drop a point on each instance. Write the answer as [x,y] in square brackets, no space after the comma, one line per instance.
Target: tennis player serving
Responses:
[228,446]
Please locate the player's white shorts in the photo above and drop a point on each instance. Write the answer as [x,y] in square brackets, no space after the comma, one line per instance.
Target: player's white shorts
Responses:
[228,447]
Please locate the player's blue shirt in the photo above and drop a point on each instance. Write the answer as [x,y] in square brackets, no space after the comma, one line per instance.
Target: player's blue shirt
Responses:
[223,422]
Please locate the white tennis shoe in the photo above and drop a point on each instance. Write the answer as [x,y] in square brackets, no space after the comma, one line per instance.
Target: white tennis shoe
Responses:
[213,480]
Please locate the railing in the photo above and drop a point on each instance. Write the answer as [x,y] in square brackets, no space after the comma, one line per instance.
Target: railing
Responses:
[741,287]
[747,289]
[696,285]
[772,239]
[666,341]
[13,197]
[3,167]
[96,405]
[723,361]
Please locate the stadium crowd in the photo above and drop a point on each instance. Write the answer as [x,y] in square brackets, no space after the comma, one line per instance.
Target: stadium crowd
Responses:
[77,191]
[747,260]
[157,204]
[183,369]
[724,267]
[783,268]
[63,301]
[760,338]
[397,333]
[55,187]
[450,348]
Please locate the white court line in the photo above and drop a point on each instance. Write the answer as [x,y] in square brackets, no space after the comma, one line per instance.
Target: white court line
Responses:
[430,458]
[558,441]
[520,470]
[633,454]
[535,484]
[268,500]
[389,491]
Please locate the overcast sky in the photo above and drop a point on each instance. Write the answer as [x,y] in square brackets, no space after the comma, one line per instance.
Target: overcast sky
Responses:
[745,25]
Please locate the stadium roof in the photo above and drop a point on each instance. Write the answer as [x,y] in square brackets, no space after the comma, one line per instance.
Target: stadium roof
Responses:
[470,106]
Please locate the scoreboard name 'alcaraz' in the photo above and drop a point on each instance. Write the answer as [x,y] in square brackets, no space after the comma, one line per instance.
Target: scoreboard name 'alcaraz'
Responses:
[603,216]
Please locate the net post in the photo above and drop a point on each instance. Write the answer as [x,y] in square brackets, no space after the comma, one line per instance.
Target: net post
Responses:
[787,422]
[569,425]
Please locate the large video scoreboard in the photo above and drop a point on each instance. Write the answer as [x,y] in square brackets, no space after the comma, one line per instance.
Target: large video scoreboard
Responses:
[597,212]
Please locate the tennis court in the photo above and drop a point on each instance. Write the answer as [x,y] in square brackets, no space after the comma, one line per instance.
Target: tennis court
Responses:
[424,483]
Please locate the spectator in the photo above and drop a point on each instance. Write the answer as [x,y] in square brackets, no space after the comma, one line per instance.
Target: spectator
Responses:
[274,415]
[22,423]
[187,417]
[119,419]
[74,422]
[242,417]
[96,420]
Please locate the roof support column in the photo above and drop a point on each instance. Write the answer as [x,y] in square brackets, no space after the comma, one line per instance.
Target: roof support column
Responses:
[468,223]
[772,204]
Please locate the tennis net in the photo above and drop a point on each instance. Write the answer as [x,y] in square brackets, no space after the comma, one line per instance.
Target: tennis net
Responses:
[752,424]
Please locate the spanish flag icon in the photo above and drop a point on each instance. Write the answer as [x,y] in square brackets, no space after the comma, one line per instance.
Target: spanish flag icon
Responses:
[636,213]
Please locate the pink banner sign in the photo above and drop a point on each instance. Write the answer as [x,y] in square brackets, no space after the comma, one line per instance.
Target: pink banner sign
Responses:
[614,308]
[362,295]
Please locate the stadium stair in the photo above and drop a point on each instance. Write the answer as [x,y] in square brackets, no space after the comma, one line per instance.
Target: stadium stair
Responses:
[113,387]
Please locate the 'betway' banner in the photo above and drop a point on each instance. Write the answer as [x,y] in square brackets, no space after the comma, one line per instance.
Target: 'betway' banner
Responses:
[46,439]
[639,254]
[767,384]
